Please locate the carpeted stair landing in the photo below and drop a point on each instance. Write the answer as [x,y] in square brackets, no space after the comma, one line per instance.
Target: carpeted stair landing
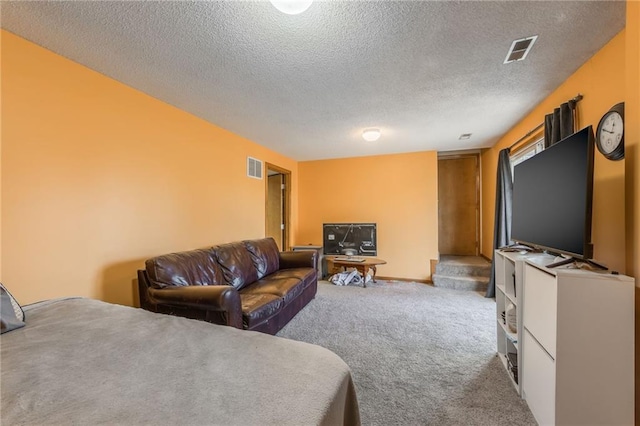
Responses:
[462,273]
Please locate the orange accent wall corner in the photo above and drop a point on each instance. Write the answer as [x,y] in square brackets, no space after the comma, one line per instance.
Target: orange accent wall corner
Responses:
[97,177]
[399,193]
[608,230]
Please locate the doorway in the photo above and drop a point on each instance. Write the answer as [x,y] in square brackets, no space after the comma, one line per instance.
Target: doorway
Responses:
[459,204]
[277,205]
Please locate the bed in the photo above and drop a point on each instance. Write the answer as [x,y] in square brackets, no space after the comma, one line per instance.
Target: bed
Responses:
[84,361]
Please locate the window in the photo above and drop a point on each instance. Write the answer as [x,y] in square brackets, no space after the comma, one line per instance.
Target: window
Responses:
[527,152]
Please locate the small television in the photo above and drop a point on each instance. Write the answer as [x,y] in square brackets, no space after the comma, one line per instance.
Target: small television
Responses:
[552,197]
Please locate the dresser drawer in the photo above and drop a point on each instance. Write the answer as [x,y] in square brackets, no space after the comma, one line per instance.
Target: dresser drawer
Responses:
[539,381]
[540,307]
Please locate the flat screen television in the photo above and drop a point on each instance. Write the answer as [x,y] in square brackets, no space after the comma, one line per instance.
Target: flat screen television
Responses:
[552,197]
[354,239]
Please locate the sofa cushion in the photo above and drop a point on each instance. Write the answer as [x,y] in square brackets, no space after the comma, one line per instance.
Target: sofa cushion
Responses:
[286,288]
[194,267]
[306,275]
[264,254]
[236,264]
[257,308]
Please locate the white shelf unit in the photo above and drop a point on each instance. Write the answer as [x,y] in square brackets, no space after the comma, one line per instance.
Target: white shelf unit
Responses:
[575,339]
[508,279]
[578,345]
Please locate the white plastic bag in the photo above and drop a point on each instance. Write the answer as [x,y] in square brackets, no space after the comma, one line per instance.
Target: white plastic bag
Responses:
[349,277]
[346,278]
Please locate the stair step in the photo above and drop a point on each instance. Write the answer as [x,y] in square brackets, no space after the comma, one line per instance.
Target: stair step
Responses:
[474,266]
[455,269]
[461,283]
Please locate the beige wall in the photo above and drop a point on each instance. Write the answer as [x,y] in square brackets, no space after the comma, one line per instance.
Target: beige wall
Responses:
[601,81]
[97,177]
[398,192]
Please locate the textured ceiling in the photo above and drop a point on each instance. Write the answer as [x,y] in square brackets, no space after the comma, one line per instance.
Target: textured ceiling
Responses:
[306,86]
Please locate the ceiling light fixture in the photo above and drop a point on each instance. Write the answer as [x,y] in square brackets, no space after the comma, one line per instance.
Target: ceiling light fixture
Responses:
[465,136]
[291,7]
[371,135]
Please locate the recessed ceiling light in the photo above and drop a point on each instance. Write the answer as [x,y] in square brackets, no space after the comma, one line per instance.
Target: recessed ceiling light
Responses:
[371,135]
[291,7]
[465,136]
[520,49]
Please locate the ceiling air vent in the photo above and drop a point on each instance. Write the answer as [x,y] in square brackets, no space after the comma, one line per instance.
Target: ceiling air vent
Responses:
[520,49]
[254,168]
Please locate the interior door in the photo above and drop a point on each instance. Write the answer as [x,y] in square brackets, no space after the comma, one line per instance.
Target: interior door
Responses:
[458,205]
[275,208]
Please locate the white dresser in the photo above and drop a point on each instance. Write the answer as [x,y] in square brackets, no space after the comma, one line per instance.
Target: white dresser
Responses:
[575,343]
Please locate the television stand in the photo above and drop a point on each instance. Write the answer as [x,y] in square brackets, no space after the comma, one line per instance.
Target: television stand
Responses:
[567,322]
[569,260]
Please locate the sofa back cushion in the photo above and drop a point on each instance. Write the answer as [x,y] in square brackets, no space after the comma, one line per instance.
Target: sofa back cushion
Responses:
[265,255]
[194,267]
[236,264]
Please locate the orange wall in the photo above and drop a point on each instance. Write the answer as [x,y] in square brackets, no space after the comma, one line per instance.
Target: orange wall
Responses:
[97,177]
[632,137]
[1,98]
[601,81]
[398,192]
[632,154]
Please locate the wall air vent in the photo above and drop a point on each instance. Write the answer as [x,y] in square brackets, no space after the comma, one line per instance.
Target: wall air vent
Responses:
[254,168]
[520,49]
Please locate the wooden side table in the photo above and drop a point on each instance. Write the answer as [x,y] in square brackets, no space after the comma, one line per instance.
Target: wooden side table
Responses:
[361,263]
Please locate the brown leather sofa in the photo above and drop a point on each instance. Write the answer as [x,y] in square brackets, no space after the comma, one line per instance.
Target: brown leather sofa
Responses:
[249,284]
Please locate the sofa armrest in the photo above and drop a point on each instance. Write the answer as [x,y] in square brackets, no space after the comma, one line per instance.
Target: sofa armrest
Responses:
[299,259]
[215,298]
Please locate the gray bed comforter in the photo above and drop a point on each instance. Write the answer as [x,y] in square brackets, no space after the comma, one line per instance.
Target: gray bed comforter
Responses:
[81,361]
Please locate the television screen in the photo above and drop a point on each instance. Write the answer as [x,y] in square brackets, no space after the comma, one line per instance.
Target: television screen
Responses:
[552,195]
[357,239]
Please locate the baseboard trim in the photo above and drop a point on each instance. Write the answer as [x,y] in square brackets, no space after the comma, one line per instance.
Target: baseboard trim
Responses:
[488,259]
[409,280]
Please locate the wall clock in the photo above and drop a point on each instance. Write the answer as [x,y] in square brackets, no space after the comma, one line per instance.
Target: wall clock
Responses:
[610,133]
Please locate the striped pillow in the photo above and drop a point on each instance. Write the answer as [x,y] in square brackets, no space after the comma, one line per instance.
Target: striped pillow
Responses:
[11,313]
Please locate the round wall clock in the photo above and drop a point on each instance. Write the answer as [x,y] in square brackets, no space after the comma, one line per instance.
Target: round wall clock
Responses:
[610,133]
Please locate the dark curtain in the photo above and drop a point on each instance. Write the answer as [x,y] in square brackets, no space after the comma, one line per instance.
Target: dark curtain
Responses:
[502,223]
[560,124]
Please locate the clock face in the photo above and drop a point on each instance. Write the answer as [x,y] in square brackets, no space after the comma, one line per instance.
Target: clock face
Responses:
[611,132]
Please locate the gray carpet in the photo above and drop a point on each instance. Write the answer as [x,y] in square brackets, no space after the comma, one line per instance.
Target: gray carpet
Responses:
[419,354]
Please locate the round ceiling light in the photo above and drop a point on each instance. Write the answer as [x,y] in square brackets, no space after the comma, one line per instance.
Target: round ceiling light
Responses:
[291,7]
[371,135]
